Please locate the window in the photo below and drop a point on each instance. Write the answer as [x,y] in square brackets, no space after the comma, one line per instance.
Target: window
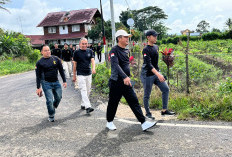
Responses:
[75,28]
[63,29]
[87,27]
[51,29]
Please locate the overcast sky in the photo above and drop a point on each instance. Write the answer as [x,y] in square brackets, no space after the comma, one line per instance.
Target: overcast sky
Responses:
[27,14]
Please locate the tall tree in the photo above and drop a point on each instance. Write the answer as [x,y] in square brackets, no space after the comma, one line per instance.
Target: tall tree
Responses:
[203,27]
[229,23]
[149,17]
[96,31]
[124,16]
[3,2]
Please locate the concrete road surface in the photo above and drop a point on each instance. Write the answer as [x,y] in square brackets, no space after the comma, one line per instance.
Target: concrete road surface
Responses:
[25,131]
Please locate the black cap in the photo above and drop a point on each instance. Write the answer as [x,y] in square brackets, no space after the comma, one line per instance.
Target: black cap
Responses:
[151,32]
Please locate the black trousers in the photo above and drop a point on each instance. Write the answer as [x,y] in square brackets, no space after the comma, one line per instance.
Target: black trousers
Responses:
[117,90]
[99,56]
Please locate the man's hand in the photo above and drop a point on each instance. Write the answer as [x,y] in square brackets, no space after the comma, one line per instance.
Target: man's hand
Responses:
[74,78]
[127,81]
[65,84]
[93,71]
[161,77]
[39,92]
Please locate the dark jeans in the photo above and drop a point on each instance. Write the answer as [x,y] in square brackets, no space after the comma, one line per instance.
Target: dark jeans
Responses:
[53,94]
[117,90]
[99,56]
[147,86]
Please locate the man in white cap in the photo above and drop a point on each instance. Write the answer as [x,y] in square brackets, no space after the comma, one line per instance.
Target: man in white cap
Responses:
[120,84]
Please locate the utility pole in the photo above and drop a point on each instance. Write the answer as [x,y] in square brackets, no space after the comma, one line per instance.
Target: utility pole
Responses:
[103,30]
[112,22]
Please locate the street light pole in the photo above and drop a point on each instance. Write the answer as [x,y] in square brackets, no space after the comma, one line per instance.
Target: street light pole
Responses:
[112,22]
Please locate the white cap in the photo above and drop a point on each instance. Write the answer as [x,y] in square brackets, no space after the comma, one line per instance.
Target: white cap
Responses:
[122,33]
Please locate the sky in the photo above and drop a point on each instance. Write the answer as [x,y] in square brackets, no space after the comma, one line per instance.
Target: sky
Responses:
[25,15]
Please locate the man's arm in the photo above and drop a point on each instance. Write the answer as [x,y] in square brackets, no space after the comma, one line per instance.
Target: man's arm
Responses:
[61,71]
[74,70]
[115,65]
[93,66]
[147,60]
[38,72]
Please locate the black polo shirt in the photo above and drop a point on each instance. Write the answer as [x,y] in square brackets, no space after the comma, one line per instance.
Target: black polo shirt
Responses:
[120,68]
[66,55]
[57,52]
[83,59]
[150,59]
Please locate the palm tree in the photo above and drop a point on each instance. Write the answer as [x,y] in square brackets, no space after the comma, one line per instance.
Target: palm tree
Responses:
[3,2]
[229,23]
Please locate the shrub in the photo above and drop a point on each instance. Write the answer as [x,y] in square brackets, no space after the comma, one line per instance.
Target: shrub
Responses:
[34,56]
[101,78]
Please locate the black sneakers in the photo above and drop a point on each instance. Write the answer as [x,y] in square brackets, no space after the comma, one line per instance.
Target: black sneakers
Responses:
[150,117]
[88,110]
[51,119]
[167,113]
[83,107]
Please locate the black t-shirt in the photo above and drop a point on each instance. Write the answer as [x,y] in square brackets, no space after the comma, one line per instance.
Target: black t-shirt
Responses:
[150,58]
[83,59]
[99,48]
[120,68]
[57,52]
[66,55]
[47,69]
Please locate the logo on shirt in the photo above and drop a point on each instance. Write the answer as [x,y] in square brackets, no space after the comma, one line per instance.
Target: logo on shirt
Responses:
[54,62]
[112,55]
[144,54]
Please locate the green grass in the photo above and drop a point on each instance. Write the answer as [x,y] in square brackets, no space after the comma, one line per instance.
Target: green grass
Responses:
[15,66]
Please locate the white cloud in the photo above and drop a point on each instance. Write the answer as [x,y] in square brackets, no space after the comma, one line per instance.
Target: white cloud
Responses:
[182,14]
[26,19]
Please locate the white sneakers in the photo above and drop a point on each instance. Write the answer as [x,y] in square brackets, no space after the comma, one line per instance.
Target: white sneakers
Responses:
[146,125]
[111,126]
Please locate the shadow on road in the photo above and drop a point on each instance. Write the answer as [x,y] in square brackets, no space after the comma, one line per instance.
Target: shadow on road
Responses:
[45,124]
[104,145]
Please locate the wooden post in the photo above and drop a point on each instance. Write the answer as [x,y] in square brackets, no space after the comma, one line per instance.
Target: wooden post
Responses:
[187,63]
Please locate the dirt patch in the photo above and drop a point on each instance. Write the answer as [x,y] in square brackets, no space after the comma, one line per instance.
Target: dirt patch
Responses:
[124,111]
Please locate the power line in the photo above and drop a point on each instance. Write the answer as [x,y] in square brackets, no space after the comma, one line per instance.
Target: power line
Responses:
[127,4]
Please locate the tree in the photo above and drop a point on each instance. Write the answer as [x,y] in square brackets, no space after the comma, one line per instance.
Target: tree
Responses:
[124,16]
[229,23]
[3,2]
[203,27]
[147,18]
[216,30]
[96,31]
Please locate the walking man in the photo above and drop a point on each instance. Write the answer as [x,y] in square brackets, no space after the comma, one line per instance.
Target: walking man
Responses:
[99,49]
[120,84]
[57,51]
[67,60]
[150,74]
[83,58]
[47,75]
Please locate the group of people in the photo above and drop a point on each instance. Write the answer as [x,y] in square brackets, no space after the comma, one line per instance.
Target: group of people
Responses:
[119,83]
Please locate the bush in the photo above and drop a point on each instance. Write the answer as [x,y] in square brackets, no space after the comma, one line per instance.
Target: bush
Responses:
[14,44]
[101,78]
[211,36]
[34,56]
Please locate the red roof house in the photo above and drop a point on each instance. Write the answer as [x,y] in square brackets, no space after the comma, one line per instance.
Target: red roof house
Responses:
[68,26]
[36,40]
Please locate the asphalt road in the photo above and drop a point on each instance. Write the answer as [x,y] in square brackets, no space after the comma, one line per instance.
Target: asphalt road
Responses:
[25,131]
